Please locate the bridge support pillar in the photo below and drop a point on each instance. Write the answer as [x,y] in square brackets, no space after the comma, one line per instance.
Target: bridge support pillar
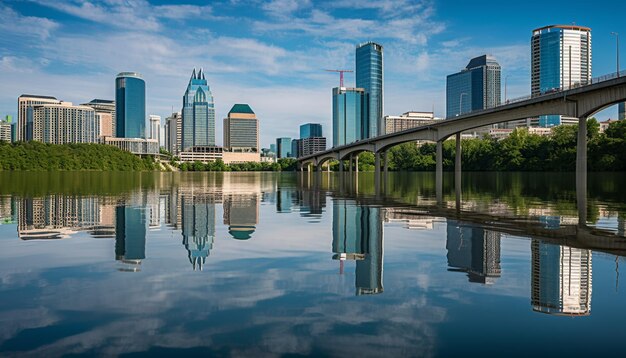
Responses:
[457,171]
[439,172]
[581,172]
[356,163]
[350,163]
[377,172]
[341,168]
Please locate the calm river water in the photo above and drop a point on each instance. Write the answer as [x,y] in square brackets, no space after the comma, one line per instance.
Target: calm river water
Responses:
[266,264]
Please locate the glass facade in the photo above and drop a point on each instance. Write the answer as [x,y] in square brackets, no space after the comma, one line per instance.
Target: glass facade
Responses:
[369,76]
[350,115]
[561,59]
[130,106]
[130,233]
[310,130]
[198,124]
[621,112]
[474,88]
[283,147]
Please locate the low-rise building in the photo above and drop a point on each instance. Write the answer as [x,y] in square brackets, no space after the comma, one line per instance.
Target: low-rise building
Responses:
[604,125]
[138,146]
[241,157]
[408,120]
[203,153]
[5,131]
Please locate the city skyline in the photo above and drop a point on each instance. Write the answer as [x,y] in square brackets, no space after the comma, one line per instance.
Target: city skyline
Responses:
[424,42]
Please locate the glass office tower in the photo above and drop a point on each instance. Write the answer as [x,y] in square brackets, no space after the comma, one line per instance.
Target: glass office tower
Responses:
[198,123]
[130,106]
[369,76]
[476,87]
[310,130]
[621,111]
[560,59]
[283,147]
[350,115]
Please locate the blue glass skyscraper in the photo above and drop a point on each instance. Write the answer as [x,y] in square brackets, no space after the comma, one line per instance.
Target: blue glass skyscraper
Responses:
[310,130]
[130,106]
[350,115]
[198,123]
[283,147]
[621,113]
[560,59]
[476,87]
[369,76]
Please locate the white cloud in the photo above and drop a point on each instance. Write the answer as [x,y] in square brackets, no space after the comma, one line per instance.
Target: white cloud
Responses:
[17,25]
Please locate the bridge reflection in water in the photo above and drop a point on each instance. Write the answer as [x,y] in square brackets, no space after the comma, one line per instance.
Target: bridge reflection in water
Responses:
[560,246]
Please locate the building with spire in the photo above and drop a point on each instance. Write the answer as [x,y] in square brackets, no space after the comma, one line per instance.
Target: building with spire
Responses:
[198,113]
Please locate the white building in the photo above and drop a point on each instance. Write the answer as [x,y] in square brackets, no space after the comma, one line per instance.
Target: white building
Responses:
[155,128]
[62,123]
[408,120]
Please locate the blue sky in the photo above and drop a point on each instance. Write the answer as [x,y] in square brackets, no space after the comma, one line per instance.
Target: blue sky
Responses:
[271,54]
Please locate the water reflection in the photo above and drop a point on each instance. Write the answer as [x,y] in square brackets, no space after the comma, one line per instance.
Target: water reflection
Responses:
[273,244]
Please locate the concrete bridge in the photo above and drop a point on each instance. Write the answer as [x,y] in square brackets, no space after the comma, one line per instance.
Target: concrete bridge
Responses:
[578,102]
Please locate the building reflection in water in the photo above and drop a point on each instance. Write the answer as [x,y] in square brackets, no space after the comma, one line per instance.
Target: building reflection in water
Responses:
[198,227]
[561,279]
[358,235]
[473,250]
[130,236]
[241,204]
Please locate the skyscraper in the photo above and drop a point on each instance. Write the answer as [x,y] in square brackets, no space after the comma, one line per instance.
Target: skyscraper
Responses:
[350,115]
[476,87]
[105,113]
[173,133]
[560,59]
[283,147]
[62,123]
[155,127]
[198,113]
[310,130]
[241,129]
[130,106]
[369,76]
[621,112]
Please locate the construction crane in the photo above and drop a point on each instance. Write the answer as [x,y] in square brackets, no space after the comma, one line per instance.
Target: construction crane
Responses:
[341,72]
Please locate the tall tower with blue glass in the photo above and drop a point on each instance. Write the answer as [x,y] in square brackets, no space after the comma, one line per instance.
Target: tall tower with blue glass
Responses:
[561,59]
[350,115]
[310,130]
[130,105]
[369,76]
[476,87]
[198,123]
[621,113]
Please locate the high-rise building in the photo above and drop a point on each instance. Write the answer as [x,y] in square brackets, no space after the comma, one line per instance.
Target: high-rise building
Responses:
[621,112]
[350,115]
[62,123]
[369,76]
[476,87]
[561,279]
[173,133]
[358,236]
[241,130]
[198,113]
[408,120]
[130,105]
[310,130]
[560,59]
[155,127]
[311,145]
[24,102]
[5,131]
[105,113]
[296,151]
[475,251]
[283,147]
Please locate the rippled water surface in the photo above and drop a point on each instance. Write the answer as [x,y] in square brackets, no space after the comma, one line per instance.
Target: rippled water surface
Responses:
[264,264]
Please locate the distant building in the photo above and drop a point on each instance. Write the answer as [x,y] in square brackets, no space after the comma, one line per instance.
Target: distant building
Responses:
[139,146]
[130,105]
[408,120]
[241,157]
[621,111]
[155,127]
[24,102]
[273,148]
[561,279]
[173,133]
[369,76]
[62,123]
[350,115]
[198,125]
[312,145]
[309,130]
[560,59]
[202,153]
[476,87]
[105,113]
[5,132]
[283,147]
[296,151]
[604,125]
[241,130]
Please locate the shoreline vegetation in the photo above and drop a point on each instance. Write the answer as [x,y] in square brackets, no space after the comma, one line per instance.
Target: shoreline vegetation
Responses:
[520,151]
